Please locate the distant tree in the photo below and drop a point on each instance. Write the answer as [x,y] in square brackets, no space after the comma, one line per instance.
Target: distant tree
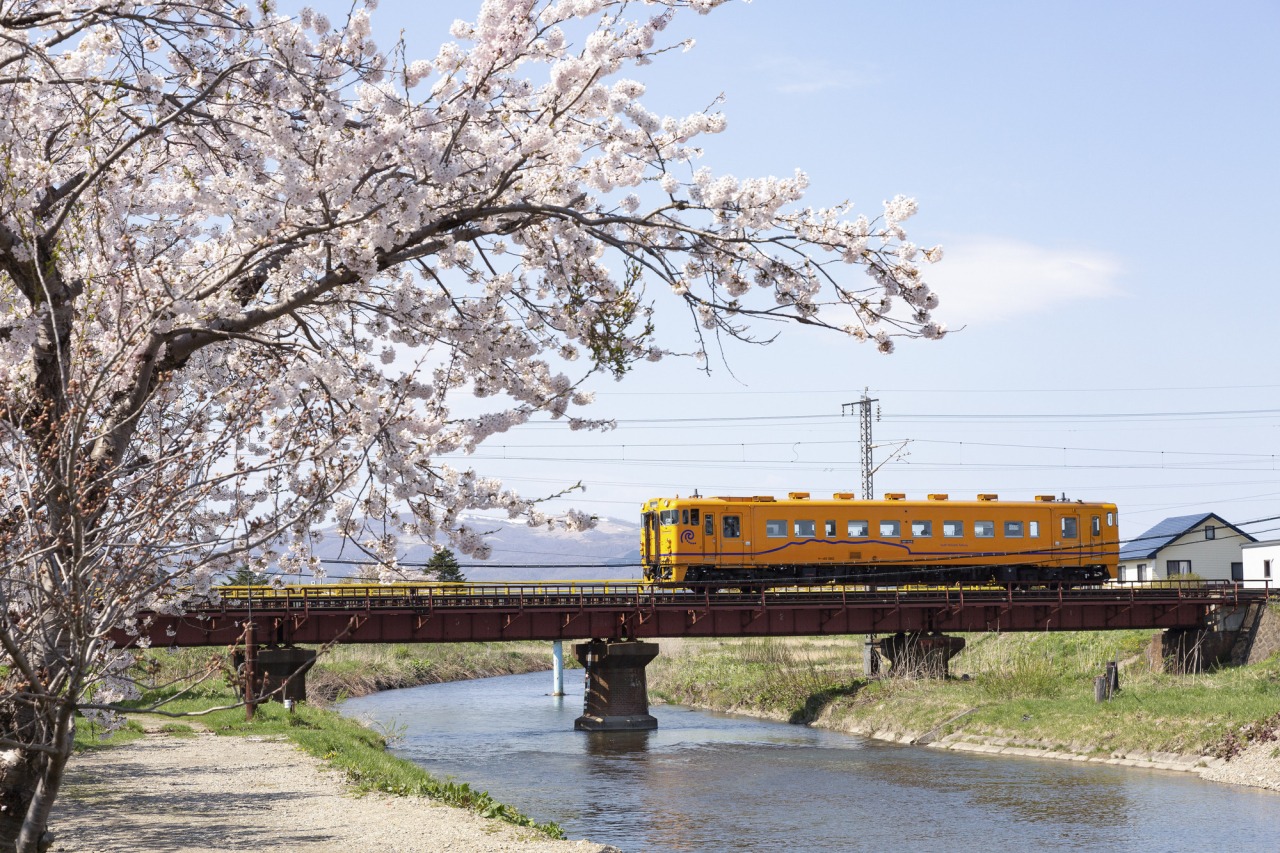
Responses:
[244,575]
[443,566]
[248,260]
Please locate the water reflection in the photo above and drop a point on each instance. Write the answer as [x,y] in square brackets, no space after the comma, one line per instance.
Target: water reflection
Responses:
[711,782]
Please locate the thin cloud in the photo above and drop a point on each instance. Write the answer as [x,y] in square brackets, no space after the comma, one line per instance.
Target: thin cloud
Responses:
[989,280]
[798,76]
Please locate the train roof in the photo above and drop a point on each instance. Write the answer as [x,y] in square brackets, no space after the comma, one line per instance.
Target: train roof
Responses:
[848,499]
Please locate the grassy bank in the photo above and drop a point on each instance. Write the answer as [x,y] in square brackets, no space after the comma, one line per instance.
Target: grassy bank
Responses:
[1035,689]
[195,681]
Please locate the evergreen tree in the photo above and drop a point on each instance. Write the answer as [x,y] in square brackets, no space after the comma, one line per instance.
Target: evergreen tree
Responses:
[444,567]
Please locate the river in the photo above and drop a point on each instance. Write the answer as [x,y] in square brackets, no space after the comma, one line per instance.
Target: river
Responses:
[719,782]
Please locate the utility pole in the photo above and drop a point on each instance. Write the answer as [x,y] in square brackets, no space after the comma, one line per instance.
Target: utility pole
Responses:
[864,418]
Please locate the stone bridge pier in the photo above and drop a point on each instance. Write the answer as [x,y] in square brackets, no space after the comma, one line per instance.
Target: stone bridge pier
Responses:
[617,692]
[916,654]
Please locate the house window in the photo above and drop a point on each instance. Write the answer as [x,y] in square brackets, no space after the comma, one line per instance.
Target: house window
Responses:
[1237,571]
[922,528]
[775,528]
[1177,567]
[1266,568]
[859,529]
[806,529]
[1210,531]
[984,529]
[953,529]
[1142,572]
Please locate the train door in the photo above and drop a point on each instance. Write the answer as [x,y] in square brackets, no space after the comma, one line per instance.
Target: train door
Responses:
[1066,538]
[649,544]
[732,532]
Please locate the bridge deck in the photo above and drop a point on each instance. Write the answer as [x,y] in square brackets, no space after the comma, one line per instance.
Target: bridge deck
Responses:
[579,611]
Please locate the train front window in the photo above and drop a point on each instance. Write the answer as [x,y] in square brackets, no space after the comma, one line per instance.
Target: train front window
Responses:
[731,526]
[891,529]
[922,529]
[775,528]
[984,529]
[859,529]
[684,516]
[669,517]
[806,529]
[1069,527]
[1013,529]
[953,530]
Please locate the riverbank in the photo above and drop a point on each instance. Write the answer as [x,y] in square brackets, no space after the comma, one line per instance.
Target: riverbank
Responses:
[205,793]
[1014,695]
[309,780]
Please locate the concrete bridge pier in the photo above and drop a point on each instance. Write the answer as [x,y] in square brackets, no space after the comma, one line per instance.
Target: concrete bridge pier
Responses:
[617,693]
[917,654]
[275,667]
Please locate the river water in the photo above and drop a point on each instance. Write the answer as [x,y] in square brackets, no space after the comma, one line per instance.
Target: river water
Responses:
[720,782]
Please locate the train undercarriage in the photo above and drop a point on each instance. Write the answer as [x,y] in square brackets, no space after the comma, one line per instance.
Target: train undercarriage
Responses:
[757,577]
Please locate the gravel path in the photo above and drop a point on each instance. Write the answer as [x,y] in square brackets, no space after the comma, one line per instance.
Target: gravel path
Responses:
[210,794]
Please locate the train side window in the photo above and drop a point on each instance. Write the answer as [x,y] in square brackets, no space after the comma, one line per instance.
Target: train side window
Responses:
[731,526]
[1096,526]
[1033,529]
[693,517]
[891,529]
[831,528]
[953,529]
[709,524]
[1013,529]
[684,516]
[922,529]
[806,529]
[859,529]
[1069,525]
[1111,519]
[775,528]
[984,529]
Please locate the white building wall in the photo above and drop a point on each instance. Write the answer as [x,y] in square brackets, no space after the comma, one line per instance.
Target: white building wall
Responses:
[1210,559]
[1260,560]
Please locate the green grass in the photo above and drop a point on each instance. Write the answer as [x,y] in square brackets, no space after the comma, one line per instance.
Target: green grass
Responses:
[192,681]
[1035,689]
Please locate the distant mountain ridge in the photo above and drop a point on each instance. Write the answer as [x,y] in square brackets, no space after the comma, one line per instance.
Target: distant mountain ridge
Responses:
[610,550]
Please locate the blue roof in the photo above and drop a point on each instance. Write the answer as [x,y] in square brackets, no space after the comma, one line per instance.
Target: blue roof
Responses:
[1150,542]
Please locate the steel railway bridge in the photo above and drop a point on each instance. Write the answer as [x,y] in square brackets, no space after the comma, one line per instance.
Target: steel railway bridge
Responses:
[617,618]
[438,613]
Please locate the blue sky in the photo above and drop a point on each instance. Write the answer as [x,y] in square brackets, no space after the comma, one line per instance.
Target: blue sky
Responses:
[1103,177]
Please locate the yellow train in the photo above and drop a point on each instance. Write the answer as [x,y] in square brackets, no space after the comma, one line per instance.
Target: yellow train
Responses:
[757,541]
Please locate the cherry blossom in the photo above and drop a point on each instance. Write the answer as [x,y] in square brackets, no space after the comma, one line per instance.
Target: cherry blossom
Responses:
[251,264]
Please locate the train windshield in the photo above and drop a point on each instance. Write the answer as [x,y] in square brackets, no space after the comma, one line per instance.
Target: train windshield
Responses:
[669,517]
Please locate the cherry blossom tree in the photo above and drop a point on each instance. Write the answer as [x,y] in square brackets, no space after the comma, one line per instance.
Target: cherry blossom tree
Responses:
[248,262]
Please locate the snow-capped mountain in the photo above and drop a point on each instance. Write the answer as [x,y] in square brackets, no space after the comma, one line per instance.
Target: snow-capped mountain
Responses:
[610,550]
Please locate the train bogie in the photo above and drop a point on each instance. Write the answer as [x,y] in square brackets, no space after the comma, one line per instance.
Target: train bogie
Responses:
[762,540]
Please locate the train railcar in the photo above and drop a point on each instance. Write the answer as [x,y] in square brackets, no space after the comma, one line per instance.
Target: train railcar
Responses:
[761,540]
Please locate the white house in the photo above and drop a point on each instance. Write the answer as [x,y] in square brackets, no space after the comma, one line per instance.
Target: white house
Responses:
[1205,545]
[1261,564]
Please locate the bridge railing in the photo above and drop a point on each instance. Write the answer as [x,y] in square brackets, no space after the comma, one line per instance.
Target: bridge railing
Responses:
[534,594]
